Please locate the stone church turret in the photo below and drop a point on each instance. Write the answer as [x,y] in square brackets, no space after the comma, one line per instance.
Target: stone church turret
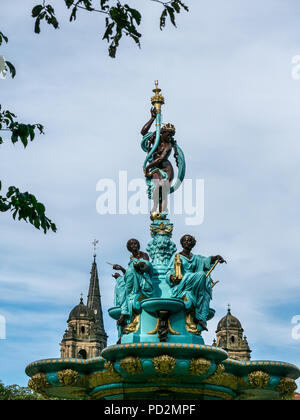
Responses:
[85,336]
[230,337]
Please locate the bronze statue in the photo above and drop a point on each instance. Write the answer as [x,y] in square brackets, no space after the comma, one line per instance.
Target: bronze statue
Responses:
[159,169]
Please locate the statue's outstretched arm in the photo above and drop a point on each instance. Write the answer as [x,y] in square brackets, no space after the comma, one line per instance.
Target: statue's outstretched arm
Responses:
[147,126]
[215,258]
[119,268]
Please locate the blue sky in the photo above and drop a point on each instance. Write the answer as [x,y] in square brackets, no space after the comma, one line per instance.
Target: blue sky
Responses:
[226,77]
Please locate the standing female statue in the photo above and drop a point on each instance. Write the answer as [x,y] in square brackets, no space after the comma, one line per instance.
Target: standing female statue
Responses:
[159,171]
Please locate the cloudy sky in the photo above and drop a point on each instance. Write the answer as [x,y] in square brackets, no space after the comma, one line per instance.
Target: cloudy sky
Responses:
[226,77]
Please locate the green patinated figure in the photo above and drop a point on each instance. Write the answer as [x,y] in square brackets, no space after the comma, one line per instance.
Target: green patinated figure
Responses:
[137,280]
[188,277]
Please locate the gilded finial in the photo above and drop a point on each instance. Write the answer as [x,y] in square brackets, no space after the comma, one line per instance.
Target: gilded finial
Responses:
[157,100]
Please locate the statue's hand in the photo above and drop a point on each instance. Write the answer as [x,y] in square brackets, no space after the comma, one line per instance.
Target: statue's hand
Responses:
[140,267]
[117,267]
[153,112]
[174,279]
[218,258]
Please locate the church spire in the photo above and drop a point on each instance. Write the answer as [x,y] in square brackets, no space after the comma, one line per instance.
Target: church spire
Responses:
[94,297]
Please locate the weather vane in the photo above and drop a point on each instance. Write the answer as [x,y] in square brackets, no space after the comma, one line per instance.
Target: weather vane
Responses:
[95,242]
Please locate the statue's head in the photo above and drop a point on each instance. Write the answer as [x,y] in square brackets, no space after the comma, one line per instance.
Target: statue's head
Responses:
[116,275]
[188,242]
[167,132]
[133,245]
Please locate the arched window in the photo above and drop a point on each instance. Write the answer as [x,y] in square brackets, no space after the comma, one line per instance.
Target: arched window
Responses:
[82,354]
[232,339]
[82,329]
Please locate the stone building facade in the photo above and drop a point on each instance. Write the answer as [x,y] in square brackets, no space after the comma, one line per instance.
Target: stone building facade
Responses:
[230,336]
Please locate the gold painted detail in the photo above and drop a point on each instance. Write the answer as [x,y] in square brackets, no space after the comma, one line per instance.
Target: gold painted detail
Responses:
[217,377]
[155,215]
[169,127]
[108,365]
[226,380]
[199,366]
[157,100]
[133,326]
[131,365]
[164,364]
[108,376]
[68,377]
[161,229]
[171,330]
[177,267]
[258,379]
[155,330]
[190,324]
[287,388]
[38,383]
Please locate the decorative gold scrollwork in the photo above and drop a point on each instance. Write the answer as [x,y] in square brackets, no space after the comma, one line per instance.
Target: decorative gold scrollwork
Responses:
[133,326]
[164,364]
[131,365]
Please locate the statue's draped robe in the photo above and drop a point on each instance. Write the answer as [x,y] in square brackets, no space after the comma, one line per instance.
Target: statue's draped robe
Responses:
[136,285]
[194,284]
[120,291]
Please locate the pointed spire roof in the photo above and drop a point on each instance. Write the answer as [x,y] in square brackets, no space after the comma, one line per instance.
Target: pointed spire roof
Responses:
[94,298]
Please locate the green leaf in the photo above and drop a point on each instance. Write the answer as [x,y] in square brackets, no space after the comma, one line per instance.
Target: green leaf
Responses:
[36,10]
[175,6]
[183,5]
[73,14]
[3,38]
[40,208]
[11,69]
[69,3]
[37,28]
[162,21]
[171,14]
[14,137]
[36,223]
[136,15]
[31,131]
[24,140]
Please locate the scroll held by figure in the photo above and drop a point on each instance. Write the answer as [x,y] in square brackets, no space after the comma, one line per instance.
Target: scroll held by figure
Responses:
[158,170]
[189,279]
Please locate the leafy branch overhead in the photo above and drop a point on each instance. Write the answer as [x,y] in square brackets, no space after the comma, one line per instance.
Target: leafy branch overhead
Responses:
[6,64]
[120,19]
[18,131]
[26,207]
[23,206]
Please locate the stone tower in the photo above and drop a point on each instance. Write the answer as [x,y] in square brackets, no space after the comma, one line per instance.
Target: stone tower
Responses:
[85,336]
[230,337]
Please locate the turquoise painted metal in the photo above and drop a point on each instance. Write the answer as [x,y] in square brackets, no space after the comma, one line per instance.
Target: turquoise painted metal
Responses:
[161,353]
[145,367]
